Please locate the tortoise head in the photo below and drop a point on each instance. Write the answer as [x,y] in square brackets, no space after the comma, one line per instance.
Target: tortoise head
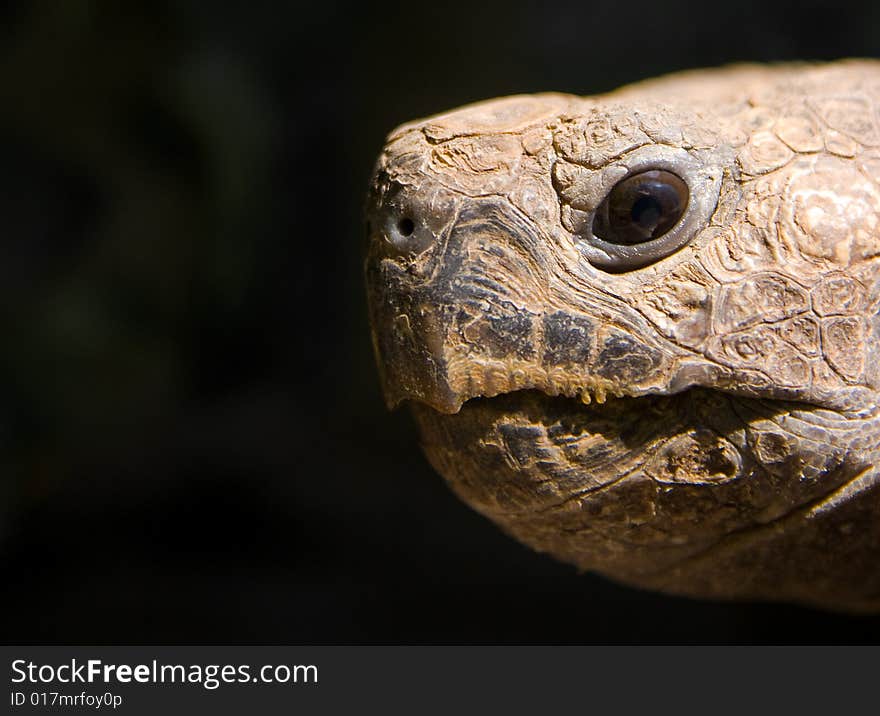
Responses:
[640,331]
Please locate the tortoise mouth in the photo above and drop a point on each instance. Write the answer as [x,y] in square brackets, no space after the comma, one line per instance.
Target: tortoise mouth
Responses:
[584,403]
[611,402]
[607,406]
[633,419]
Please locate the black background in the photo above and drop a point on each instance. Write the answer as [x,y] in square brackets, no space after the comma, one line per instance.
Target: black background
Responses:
[193,441]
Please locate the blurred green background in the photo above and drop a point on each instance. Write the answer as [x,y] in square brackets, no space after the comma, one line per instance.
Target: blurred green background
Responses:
[194,447]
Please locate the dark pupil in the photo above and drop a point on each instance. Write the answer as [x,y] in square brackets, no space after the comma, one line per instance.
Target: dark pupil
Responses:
[646,212]
[641,208]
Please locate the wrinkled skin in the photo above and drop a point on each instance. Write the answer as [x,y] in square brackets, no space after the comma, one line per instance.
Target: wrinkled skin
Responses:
[700,416]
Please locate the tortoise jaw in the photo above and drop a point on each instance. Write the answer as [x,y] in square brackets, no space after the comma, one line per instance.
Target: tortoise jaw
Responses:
[471,383]
[444,379]
[446,383]
[477,384]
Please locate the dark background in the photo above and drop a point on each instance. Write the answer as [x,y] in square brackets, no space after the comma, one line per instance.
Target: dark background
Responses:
[193,442]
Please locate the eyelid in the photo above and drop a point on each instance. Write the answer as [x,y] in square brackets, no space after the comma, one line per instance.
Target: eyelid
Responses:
[699,172]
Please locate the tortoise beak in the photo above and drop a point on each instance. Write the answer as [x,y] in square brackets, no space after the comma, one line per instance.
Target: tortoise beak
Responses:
[408,333]
[444,331]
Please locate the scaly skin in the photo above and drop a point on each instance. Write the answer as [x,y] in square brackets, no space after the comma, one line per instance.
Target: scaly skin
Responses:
[703,420]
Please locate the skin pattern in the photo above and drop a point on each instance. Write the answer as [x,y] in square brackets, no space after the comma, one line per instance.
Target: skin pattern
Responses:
[705,421]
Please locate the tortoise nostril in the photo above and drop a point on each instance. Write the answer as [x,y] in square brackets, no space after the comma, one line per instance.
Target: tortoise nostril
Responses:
[403,233]
[407,223]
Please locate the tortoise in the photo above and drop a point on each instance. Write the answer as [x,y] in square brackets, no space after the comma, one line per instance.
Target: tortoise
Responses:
[640,331]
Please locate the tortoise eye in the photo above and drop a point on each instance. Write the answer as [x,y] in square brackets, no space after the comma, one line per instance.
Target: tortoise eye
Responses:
[641,208]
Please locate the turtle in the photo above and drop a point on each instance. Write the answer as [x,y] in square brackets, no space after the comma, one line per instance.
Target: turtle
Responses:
[640,331]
